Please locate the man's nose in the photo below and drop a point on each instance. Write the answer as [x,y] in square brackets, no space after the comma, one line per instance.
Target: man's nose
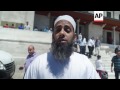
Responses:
[62,33]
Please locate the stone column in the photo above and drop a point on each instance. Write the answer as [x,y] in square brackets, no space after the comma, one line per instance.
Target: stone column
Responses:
[49,16]
[114,38]
[103,35]
[78,24]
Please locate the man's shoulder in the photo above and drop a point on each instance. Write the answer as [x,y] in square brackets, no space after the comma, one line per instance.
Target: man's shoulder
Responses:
[114,57]
[81,59]
[78,56]
[42,55]
[99,60]
[75,54]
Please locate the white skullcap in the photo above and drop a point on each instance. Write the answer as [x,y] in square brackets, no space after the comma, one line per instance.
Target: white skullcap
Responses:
[68,18]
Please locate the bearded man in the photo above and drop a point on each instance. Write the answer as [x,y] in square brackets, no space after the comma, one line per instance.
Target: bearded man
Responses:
[61,62]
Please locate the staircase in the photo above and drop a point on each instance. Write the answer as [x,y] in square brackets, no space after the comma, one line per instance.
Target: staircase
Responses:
[106,56]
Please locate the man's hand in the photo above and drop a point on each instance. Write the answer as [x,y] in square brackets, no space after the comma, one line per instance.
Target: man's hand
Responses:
[112,67]
[111,70]
[21,68]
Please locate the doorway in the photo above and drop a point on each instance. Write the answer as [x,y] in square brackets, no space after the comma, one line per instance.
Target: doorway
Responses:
[109,37]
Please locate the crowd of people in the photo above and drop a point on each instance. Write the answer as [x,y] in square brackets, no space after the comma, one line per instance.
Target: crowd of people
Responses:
[93,45]
[27,27]
[21,26]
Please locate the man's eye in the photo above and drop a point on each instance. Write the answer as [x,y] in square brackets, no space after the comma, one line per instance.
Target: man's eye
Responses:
[67,29]
[58,29]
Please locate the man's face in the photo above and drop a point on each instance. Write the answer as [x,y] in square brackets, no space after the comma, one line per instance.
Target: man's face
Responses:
[30,50]
[118,53]
[62,39]
[63,32]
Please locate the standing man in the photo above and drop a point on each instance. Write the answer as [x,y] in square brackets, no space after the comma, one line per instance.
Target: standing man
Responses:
[97,46]
[30,57]
[116,63]
[27,26]
[61,62]
[75,43]
[80,36]
[91,44]
[12,26]
[82,44]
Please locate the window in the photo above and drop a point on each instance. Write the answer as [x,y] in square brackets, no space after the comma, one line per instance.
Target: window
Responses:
[109,14]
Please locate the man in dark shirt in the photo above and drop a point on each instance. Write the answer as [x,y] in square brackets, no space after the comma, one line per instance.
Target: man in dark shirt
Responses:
[21,26]
[116,62]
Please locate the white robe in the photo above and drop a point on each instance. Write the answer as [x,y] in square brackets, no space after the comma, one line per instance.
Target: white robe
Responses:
[46,66]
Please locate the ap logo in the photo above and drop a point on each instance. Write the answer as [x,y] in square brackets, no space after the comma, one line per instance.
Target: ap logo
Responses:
[98,16]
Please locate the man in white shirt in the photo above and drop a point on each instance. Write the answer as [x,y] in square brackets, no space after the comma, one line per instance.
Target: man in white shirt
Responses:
[27,26]
[91,45]
[80,36]
[99,63]
[99,66]
[82,44]
[62,62]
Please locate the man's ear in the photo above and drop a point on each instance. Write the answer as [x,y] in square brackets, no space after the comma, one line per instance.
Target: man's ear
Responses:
[75,37]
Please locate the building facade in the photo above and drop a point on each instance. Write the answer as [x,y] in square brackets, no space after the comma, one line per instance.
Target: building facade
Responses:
[17,17]
[108,30]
